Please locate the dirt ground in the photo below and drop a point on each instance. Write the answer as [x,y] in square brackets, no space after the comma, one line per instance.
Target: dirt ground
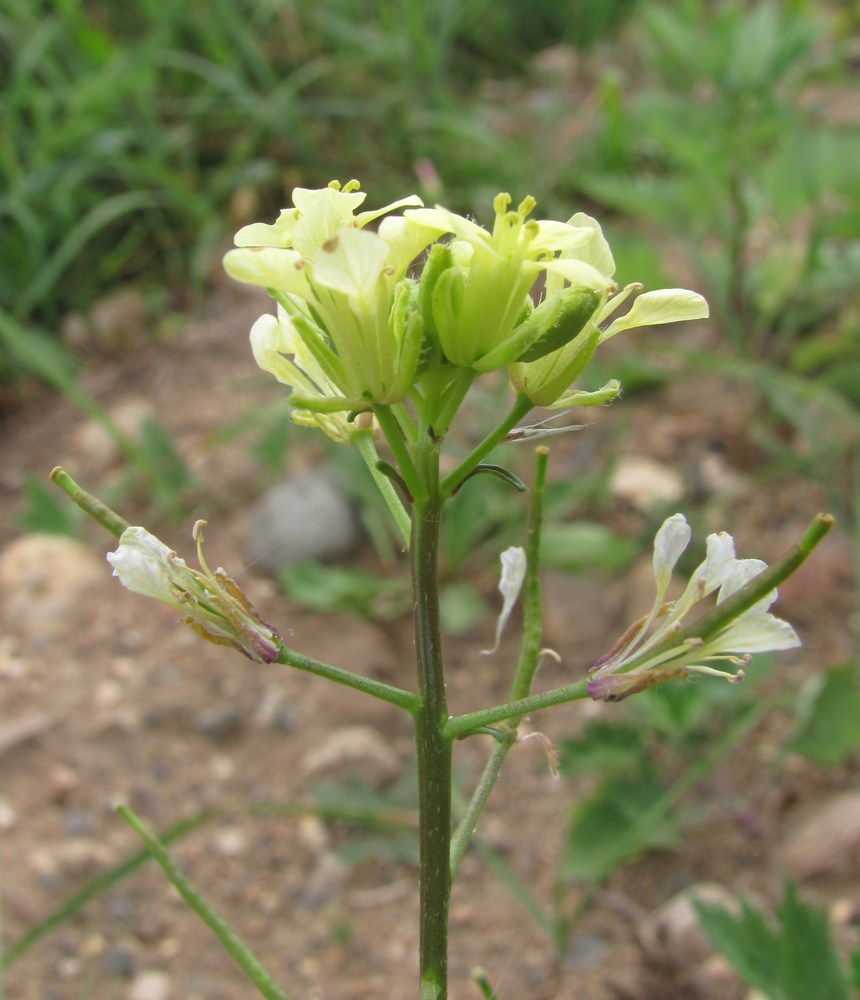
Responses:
[104,698]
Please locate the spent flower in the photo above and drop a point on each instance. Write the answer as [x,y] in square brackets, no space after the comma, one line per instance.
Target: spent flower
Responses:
[648,654]
[211,603]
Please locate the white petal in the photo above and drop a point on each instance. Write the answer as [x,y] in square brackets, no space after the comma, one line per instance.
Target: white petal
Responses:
[578,272]
[513,573]
[270,267]
[742,572]
[598,252]
[720,563]
[363,218]
[141,563]
[406,239]
[328,200]
[670,541]
[666,305]
[351,262]
[760,633]
[260,234]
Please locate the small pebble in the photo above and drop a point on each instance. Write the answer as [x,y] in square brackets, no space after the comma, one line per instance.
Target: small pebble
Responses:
[119,961]
[150,986]
[219,723]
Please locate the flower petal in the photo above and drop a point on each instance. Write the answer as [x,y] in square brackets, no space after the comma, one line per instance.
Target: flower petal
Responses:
[669,542]
[758,633]
[514,565]
[665,305]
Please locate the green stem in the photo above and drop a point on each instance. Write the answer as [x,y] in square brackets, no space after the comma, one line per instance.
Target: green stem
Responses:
[450,400]
[432,745]
[91,505]
[95,887]
[229,939]
[377,689]
[367,450]
[394,436]
[530,646]
[462,725]
[526,665]
[521,407]
[466,826]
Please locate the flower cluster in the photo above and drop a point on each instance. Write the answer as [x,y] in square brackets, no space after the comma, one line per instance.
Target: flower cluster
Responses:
[211,603]
[652,649]
[356,327]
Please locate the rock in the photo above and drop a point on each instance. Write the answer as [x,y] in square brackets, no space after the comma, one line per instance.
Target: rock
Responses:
[118,960]
[274,711]
[644,483]
[8,815]
[95,450]
[673,928]
[354,753]
[150,986]
[825,841]
[306,517]
[42,579]
[221,722]
[114,321]
[23,729]
[585,949]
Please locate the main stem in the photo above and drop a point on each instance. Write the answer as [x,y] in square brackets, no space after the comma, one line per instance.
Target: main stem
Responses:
[432,746]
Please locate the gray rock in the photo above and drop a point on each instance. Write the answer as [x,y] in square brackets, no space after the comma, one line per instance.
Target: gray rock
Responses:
[673,928]
[306,517]
[221,722]
[119,961]
[824,841]
[354,753]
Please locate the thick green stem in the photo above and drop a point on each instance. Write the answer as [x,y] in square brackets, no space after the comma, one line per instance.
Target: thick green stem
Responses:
[432,745]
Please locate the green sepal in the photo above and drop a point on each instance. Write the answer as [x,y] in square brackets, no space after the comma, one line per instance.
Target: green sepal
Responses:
[499,471]
[579,397]
[559,319]
[446,301]
[327,404]
[439,260]
[406,329]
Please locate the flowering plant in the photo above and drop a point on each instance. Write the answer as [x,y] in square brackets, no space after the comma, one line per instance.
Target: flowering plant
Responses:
[379,335]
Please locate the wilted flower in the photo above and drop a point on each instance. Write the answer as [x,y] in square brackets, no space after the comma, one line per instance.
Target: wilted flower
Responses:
[514,566]
[645,655]
[211,603]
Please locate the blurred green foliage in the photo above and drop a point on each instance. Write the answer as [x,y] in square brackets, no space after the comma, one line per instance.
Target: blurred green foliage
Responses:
[793,960]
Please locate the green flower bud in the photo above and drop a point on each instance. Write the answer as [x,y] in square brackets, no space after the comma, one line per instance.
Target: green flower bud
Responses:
[559,319]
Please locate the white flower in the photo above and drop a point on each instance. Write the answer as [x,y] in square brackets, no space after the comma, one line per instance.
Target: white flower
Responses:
[211,603]
[646,654]
[481,303]
[342,288]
